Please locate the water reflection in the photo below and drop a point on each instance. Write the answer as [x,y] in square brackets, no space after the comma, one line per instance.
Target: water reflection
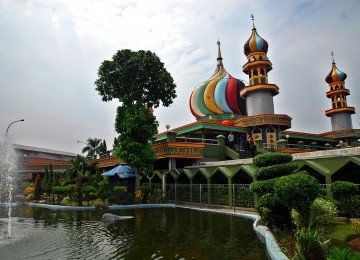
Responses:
[169,233]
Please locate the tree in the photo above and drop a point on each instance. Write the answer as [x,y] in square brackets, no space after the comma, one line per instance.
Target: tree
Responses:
[92,147]
[77,171]
[136,126]
[135,77]
[37,187]
[103,148]
[140,82]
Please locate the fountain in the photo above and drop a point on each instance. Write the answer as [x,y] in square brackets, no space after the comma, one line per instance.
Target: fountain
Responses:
[8,169]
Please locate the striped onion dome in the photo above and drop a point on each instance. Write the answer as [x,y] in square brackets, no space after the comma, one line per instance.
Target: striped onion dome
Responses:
[220,94]
[335,74]
[255,42]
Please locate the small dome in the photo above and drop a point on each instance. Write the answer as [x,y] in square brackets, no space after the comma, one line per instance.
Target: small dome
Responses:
[335,75]
[255,43]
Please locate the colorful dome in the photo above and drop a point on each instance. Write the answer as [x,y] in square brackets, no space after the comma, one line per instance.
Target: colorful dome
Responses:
[335,74]
[220,94]
[255,42]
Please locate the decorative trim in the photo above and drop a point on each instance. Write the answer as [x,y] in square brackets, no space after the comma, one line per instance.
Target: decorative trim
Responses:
[283,121]
[332,111]
[270,87]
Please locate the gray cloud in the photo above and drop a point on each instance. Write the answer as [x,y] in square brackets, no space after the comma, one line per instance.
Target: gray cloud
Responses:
[50,53]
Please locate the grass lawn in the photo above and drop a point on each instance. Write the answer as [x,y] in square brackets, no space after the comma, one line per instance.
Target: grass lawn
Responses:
[340,235]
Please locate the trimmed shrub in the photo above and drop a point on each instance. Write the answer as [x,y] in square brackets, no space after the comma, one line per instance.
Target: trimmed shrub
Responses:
[342,189]
[268,201]
[297,191]
[268,159]
[263,187]
[354,206]
[275,171]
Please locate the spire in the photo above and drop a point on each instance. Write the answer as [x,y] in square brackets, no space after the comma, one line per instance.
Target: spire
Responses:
[219,58]
[252,18]
[332,55]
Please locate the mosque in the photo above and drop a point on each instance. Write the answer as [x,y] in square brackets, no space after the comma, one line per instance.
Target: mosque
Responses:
[199,152]
[224,104]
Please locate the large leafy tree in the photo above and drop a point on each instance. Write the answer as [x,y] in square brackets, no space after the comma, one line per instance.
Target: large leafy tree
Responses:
[93,147]
[135,77]
[140,82]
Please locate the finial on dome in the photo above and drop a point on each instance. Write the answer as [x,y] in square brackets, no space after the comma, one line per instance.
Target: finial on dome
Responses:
[252,18]
[219,58]
[332,55]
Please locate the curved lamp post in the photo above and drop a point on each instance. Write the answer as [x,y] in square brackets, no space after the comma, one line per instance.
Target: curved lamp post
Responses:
[7,129]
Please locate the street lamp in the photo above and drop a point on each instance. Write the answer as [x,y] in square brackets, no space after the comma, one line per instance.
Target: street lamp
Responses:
[7,129]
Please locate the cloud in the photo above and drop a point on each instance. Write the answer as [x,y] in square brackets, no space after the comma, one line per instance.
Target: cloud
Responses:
[50,53]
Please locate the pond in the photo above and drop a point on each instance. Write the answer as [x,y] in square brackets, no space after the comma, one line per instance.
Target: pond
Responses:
[153,233]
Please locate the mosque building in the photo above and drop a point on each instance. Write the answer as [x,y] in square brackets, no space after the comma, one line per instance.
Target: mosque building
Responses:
[224,104]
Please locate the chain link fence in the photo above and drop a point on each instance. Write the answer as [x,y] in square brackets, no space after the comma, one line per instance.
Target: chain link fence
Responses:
[232,195]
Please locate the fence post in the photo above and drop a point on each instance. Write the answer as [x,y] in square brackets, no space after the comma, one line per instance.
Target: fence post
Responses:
[234,202]
[175,191]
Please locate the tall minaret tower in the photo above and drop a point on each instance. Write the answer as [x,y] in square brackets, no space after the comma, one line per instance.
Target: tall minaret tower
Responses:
[261,121]
[339,113]
[259,93]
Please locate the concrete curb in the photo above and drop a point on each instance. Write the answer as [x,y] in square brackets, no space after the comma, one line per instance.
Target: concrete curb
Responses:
[132,206]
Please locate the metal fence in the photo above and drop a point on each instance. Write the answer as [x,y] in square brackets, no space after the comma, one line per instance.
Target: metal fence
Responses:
[233,195]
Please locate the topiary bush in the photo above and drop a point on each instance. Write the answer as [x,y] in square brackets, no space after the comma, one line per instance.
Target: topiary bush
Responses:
[297,191]
[343,189]
[274,171]
[262,188]
[344,192]
[268,159]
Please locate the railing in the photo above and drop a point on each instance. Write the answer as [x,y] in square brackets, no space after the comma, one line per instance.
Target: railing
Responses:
[230,195]
[197,140]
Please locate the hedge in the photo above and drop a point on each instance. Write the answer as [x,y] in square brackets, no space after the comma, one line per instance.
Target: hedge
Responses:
[263,187]
[275,171]
[268,159]
[342,189]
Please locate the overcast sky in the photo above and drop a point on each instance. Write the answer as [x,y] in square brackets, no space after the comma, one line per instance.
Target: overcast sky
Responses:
[50,52]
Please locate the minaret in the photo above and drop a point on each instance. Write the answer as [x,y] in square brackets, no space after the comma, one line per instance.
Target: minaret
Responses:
[340,113]
[259,93]
[262,122]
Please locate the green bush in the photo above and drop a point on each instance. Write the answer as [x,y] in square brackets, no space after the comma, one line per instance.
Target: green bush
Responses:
[263,187]
[322,212]
[268,159]
[273,213]
[341,254]
[297,191]
[342,189]
[310,244]
[355,206]
[120,188]
[270,172]
[267,201]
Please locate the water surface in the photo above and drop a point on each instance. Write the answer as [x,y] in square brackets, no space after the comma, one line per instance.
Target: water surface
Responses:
[158,233]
